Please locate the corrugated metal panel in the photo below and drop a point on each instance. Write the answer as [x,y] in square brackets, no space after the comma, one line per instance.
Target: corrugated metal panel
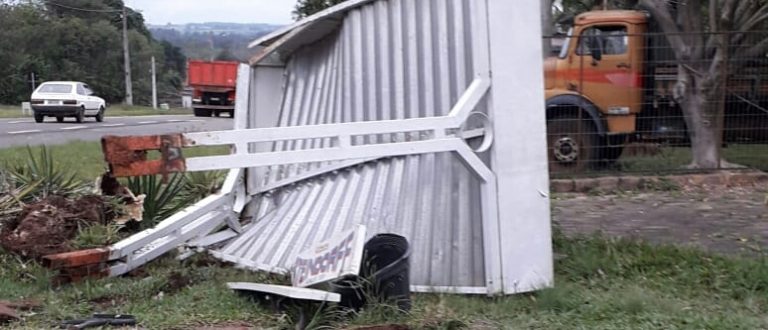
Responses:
[393,59]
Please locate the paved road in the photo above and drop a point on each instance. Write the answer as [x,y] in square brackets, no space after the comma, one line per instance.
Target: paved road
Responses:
[24,131]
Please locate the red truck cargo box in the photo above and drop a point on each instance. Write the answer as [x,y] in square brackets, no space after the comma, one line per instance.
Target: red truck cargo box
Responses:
[212,74]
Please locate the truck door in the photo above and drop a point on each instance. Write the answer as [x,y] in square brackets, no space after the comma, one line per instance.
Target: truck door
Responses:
[605,73]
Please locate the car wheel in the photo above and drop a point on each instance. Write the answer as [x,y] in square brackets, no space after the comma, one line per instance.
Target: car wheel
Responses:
[100,115]
[80,116]
[59,119]
[39,118]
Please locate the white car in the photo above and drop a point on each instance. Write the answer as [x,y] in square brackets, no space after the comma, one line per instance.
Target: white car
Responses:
[66,99]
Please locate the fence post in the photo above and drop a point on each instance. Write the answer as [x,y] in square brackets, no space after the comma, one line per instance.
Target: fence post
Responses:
[723,99]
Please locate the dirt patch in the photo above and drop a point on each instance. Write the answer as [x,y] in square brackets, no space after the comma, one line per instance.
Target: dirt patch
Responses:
[7,314]
[730,221]
[46,227]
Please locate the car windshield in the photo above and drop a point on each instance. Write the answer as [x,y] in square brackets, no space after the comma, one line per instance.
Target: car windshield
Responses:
[55,88]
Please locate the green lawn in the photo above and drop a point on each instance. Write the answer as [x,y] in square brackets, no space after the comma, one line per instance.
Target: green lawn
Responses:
[86,158]
[14,111]
[600,284]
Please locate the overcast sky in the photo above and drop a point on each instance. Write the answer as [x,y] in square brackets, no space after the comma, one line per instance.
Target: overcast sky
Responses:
[199,11]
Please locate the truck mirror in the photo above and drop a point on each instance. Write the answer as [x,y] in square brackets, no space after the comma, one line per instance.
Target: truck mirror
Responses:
[597,53]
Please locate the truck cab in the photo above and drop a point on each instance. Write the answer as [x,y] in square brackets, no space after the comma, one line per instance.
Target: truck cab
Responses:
[594,89]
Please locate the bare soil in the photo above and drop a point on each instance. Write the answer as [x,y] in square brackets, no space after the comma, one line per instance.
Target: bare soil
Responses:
[46,227]
[732,221]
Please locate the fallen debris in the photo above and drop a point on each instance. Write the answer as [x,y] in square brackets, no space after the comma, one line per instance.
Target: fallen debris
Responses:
[7,314]
[133,206]
[46,227]
[99,320]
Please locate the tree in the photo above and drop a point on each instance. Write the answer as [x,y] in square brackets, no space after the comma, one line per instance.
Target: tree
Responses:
[81,41]
[703,61]
[306,8]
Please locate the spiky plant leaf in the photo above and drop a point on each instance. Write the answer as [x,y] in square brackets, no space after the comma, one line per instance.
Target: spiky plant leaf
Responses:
[51,177]
[162,199]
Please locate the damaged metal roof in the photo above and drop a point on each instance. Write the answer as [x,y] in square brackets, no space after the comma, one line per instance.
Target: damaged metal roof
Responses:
[378,60]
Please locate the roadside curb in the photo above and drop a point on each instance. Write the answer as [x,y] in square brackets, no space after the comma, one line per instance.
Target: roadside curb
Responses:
[668,182]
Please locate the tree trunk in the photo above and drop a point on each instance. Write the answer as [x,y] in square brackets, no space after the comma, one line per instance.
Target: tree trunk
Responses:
[701,108]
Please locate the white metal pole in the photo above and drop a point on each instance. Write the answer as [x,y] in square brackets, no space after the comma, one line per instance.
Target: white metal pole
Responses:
[154,84]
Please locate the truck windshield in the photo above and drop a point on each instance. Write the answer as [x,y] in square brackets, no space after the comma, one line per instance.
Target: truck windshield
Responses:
[55,89]
[566,44]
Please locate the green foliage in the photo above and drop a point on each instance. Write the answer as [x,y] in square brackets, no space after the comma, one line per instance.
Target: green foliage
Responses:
[96,235]
[198,185]
[162,199]
[43,176]
[306,8]
[56,43]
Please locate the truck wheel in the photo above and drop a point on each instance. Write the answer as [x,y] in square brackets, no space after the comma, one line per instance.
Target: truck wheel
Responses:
[217,113]
[202,112]
[39,118]
[231,113]
[572,144]
[59,119]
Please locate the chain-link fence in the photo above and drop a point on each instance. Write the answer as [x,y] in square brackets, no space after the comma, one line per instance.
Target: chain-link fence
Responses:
[623,102]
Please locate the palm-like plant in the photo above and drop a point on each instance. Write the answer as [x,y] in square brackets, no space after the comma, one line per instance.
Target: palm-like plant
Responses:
[46,176]
[162,199]
[201,184]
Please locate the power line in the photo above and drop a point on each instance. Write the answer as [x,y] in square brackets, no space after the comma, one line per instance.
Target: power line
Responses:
[83,9]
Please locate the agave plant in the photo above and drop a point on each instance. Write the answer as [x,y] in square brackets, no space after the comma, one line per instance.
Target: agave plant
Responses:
[162,199]
[47,176]
[11,196]
[199,185]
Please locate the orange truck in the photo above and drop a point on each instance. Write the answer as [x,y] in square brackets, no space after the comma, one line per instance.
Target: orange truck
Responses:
[612,83]
[214,85]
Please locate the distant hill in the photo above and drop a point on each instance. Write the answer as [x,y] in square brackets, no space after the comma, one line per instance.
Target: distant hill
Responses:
[208,40]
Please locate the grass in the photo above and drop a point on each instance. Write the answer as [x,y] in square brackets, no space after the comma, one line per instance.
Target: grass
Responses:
[671,159]
[600,284]
[115,110]
[86,158]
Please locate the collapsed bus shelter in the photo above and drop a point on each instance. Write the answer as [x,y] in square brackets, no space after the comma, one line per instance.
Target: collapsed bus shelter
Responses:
[423,118]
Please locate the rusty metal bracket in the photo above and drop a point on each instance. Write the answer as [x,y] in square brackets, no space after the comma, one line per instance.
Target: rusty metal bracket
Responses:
[127,155]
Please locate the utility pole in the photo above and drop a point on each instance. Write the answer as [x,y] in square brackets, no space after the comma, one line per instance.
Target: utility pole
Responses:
[154,84]
[34,85]
[127,56]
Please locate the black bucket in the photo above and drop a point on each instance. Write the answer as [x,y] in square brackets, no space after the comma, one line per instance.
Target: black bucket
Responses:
[352,291]
[386,264]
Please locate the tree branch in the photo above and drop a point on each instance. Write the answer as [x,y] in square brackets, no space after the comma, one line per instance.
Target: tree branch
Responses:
[660,11]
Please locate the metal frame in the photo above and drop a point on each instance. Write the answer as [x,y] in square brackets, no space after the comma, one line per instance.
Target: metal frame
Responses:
[520,178]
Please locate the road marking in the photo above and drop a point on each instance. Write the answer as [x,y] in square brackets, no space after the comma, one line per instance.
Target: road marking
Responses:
[175,120]
[148,122]
[112,125]
[20,122]
[196,121]
[72,128]
[24,132]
